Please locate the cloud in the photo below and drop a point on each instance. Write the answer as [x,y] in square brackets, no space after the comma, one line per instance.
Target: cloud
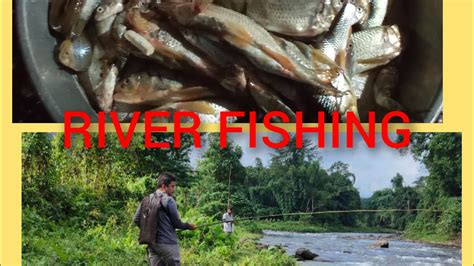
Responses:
[373,168]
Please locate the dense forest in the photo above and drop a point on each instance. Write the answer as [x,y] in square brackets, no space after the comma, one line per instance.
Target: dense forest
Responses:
[78,203]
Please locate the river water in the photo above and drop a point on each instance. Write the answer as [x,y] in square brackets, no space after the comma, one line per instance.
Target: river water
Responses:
[354,249]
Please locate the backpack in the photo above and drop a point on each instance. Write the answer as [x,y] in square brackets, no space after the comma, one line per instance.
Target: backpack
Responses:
[149,209]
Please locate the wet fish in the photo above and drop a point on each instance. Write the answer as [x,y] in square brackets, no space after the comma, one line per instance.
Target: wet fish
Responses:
[293,18]
[106,91]
[336,41]
[337,45]
[300,18]
[92,78]
[169,44]
[260,47]
[118,27]
[108,8]
[243,76]
[104,31]
[142,90]
[140,24]
[378,12]
[76,15]
[375,47]
[366,8]
[76,53]
[342,102]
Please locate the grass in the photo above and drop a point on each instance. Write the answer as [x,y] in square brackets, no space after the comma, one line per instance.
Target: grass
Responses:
[113,244]
[431,237]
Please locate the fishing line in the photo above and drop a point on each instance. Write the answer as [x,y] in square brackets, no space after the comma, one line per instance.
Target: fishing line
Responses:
[316,213]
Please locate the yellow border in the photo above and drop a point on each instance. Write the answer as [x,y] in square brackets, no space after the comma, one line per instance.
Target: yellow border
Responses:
[458,58]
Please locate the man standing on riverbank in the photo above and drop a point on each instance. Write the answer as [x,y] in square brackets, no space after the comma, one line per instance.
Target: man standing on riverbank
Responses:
[228,221]
[166,249]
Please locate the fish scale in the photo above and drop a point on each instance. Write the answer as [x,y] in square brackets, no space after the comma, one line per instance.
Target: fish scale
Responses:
[379,11]
[305,18]
[258,45]
[337,40]
[385,45]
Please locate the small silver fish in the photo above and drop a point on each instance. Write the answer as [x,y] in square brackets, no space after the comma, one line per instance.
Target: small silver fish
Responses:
[77,14]
[108,8]
[142,90]
[375,47]
[336,41]
[76,53]
[378,12]
[105,94]
[365,6]
[169,44]
[293,18]
[244,34]
[342,102]
[104,31]
[300,18]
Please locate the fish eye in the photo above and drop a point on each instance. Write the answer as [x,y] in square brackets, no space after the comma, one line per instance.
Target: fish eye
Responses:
[100,9]
[126,82]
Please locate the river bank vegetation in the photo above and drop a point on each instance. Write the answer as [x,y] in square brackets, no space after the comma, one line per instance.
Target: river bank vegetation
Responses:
[78,203]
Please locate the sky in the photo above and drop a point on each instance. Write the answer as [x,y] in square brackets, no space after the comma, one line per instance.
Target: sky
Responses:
[373,168]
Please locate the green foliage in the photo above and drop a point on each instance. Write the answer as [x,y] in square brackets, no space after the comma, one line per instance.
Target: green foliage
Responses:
[398,197]
[78,203]
[440,191]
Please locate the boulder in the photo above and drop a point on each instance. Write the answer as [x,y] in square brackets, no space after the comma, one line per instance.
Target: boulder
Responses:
[380,244]
[305,254]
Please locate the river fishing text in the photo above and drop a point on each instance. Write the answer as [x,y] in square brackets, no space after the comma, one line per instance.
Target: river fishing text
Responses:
[352,122]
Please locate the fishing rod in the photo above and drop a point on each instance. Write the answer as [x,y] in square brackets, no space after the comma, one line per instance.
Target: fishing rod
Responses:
[314,213]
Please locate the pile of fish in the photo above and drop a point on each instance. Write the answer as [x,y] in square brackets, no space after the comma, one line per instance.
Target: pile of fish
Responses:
[209,56]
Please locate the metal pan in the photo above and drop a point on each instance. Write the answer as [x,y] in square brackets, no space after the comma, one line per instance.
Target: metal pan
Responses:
[58,89]
[421,77]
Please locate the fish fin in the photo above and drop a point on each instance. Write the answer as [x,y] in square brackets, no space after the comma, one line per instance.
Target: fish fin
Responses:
[373,61]
[141,24]
[329,69]
[238,35]
[341,59]
[319,56]
[284,61]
